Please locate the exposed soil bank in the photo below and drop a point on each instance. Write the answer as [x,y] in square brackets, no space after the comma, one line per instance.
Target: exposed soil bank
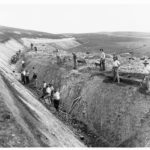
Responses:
[118,114]
[26,121]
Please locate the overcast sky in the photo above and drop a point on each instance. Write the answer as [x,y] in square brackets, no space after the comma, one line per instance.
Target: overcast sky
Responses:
[76,18]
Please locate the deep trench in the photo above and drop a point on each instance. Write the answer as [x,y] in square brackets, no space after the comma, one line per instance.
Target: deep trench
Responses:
[81,130]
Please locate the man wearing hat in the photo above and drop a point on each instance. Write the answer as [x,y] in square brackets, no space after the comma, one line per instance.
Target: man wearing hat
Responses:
[147,75]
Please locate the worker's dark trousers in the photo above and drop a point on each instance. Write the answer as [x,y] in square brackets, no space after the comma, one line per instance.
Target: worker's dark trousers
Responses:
[44,92]
[27,80]
[24,79]
[102,64]
[75,65]
[56,104]
[23,65]
[21,77]
[116,74]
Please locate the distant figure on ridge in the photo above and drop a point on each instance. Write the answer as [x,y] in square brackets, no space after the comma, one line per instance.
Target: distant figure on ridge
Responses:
[35,48]
[58,59]
[102,60]
[31,46]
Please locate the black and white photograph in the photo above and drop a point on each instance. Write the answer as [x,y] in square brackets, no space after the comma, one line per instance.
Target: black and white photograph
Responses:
[74,74]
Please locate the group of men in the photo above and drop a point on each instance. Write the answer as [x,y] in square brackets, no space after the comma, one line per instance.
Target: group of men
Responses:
[33,47]
[115,68]
[52,94]
[25,77]
[48,91]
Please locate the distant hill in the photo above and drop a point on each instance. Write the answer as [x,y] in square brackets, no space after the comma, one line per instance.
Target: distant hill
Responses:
[7,32]
[111,42]
[114,42]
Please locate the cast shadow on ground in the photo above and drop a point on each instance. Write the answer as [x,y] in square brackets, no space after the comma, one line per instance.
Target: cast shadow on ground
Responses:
[110,80]
[142,90]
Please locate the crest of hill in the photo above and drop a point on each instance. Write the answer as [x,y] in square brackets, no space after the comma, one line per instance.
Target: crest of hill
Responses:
[7,33]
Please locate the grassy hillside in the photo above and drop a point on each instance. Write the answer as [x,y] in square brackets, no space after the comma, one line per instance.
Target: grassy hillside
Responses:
[111,42]
[114,42]
[7,32]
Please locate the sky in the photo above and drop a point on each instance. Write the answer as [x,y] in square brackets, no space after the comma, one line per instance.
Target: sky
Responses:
[76,17]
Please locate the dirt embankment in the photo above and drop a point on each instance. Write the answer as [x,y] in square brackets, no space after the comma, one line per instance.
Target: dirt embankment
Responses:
[118,114]
[24,119]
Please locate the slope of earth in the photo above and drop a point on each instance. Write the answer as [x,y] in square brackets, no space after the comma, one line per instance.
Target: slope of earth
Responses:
[117,114]
[16,33]
[24,120]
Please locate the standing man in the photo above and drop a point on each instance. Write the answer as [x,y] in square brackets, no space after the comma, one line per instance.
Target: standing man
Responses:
[35,48]
[52,92]
[102,60]
[34,77]
[23,63]
[74,60]
[24,77]
[58,60]
[116,65]
[31,46]
[56,99]
[27,77]
[147,75]
[48,94]
[44,89]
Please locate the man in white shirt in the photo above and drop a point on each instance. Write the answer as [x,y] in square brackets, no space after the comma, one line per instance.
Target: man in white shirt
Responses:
[116,65]
[48,90]
[44,89]
[48,95]
[147,75]
[102,60]
[23,64]
[23,76]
